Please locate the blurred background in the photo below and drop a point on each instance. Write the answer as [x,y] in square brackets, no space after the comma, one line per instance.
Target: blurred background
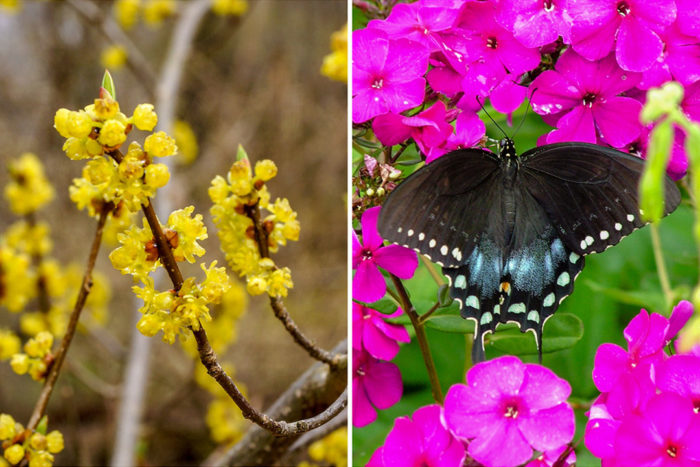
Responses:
[252,78]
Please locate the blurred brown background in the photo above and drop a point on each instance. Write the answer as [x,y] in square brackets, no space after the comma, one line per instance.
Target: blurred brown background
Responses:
[253,81]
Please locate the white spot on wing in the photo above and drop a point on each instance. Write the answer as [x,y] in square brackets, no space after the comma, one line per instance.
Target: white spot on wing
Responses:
[472,301]
[604,235]
[517,308]
[457,253]
[549,299]
[573,257]
[444,250]
[583,245]
[533,316]
[618,226]
[410,232]
[421,236]
[630,217]
[563,279]
[589,240]
[461,282]
[486,318]
[432,243]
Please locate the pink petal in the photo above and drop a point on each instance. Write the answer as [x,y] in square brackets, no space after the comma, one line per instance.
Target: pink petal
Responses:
[542,388]
[503,375]
[594,41]
[378,344]
[611,361]
[367,104]
[370,234]
[383,383]
[490,450]
[552,93]
[398,260]
[468,414]
[679,316]
[688,13]
[629,54]
[670,414]
[576,125]
[507,96]
[400,96]
[600,437]
[638,442]
[390,129]
[376,460]
[515,56]
[406,60]
[362,411]
[358,321]
[368,284]
[454,455]
[394,331]
[445,80]
[370,49]
[356,251]
[550,428]
[403,445]
[680,374]
[618,120]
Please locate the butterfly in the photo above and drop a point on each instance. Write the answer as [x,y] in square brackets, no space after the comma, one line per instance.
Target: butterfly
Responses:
[510,232]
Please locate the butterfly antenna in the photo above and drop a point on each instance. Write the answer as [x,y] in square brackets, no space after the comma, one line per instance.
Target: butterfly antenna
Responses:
[490,117]
[529,104]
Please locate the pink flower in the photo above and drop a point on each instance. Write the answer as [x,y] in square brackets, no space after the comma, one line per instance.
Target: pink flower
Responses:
[507,409]
[687,17]
[417,22]
[582,98]
[680,374]
[469,129]
[535,23]
[632,26]
[368,284]
[549,458]
[679,316]
[680,60]
[665,434]
[429,129]
[387,75]
[374,384]
[371,332]
[423,441]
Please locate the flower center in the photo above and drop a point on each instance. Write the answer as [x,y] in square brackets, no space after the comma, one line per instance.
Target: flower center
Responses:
[548,5]
[588,99]
[672,451]
[511,411]
[696,406]
[623,8]
[366,254]
[378,83]
[491,42]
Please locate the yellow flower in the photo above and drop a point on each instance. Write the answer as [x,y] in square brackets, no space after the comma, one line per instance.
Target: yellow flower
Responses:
[265,170]
[219,190]
[229,7]
[17,278]
[280,281]
[29,189]
[186,142]
[112,134]
[81,148]
[256,285]
[113,57]
[40,459]
[37,442]
[225,421]
[79,124]
[9,345]
[14,453]
[155,11]
[40,345]
[106,108]
[335,64]
[157,175]
[145,117]
[7,427]
[189,229]
[160,145]
[54,441]
[126,12]
[239,177]
[20,363]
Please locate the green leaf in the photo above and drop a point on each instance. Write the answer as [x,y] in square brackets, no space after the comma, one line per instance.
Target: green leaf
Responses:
[385,306]
[561,332]
[108,84]
[450,323]
[650,299]
[241,154]
[444,295]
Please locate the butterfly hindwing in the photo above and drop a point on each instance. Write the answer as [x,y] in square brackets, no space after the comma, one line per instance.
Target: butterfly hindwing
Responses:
[589,192]
[433,210]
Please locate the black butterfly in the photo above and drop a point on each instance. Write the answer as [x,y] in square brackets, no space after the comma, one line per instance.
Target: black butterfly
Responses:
[511,232]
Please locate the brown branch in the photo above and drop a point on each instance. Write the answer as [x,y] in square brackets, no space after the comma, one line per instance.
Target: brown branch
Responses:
[60,356]
[280,428]
[207,355]
[335,360]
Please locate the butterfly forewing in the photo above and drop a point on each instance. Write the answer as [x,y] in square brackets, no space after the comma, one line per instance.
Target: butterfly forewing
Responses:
[589,192]
[436,210]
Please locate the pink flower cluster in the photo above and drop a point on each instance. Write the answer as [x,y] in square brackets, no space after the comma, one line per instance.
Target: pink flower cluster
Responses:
[376,381]
[506,409]
[647,413]
[421,73]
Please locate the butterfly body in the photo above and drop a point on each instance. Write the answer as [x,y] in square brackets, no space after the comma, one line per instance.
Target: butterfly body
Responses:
[511,232]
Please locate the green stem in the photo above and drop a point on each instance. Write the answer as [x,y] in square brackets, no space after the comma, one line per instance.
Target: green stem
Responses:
[422,339]
[661,266]
[432,271]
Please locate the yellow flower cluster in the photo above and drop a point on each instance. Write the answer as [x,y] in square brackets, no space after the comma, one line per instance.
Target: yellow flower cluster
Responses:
[331,450]
[101,128]
[229,7]
[36,358]
[29,189]
[235,200]
[186,142]
[113,57]
[9,344]
[20,444]
[335,64]
[153,11]
[33,240]
[16,279]
[170,311]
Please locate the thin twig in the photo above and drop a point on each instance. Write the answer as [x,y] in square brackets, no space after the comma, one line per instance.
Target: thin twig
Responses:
[60,356]
[335,360]
[422,339]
